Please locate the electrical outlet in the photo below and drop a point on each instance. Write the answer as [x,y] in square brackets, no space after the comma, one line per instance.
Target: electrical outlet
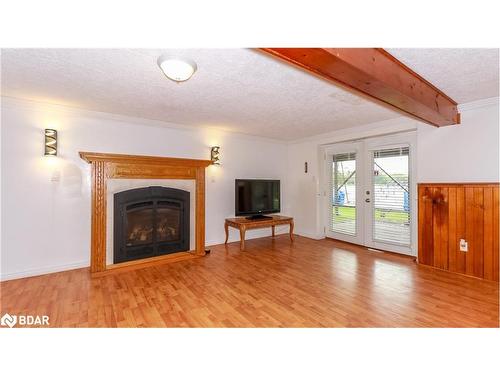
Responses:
[464,246]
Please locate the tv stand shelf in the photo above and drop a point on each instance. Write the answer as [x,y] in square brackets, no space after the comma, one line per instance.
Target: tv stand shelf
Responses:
[243,224]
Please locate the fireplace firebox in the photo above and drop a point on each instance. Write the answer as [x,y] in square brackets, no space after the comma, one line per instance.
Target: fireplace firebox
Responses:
[149,222]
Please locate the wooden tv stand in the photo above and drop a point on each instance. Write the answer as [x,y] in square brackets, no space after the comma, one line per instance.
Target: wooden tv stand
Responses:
[243,224]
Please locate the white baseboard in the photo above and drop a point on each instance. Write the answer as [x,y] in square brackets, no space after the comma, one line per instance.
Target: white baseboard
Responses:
[312,236]
[43,271]
[72,266]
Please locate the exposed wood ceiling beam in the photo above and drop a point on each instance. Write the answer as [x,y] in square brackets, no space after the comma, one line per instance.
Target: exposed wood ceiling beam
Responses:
[376,73]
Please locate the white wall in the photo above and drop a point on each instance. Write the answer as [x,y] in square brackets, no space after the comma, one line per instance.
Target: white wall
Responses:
[464,153]
[468,152]
[46,224]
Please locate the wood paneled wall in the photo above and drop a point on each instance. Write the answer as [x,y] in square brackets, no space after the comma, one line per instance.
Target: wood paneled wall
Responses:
[449,212]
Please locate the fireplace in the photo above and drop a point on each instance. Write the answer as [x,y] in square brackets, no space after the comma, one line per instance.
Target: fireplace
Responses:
[149,222]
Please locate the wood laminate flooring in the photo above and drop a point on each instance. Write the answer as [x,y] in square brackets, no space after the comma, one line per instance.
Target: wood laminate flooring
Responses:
[272,283]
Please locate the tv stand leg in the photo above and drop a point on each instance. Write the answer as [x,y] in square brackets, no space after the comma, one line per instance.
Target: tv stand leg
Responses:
[291,230]
[226,228]
[242,238]
[273,229]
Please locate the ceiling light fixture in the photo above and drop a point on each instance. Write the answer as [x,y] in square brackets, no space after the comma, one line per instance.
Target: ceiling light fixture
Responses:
[177,69]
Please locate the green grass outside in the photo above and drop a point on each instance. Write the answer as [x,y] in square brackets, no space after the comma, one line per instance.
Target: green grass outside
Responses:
[399,217]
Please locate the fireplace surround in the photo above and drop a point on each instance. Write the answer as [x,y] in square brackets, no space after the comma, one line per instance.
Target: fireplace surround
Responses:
[119,166]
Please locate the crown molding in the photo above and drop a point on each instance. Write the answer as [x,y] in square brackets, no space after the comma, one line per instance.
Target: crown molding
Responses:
[478,104]
[30,104]
[401,122]
[367,130]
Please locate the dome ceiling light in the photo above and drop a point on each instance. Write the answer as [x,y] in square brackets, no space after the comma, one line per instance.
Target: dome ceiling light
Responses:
[177,69]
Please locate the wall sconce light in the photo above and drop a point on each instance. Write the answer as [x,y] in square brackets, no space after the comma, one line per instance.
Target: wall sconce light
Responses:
[215,155]
[50,142]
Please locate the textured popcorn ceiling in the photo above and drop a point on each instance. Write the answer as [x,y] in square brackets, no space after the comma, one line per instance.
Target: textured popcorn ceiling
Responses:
[464,74]
[234,89]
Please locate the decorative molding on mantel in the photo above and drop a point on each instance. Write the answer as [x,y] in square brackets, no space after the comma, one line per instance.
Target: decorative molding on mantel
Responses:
[90,157]
[106,166]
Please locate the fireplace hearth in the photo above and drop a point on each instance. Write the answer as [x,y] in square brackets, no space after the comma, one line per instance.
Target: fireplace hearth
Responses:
[149,222]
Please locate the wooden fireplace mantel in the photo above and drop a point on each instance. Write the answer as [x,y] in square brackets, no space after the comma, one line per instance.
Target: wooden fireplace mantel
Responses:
[106,166]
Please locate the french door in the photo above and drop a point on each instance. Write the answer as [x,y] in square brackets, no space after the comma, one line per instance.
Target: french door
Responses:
[370,191]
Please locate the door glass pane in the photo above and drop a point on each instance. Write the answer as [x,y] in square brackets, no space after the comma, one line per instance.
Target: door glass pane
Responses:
[343,194]
[391,215]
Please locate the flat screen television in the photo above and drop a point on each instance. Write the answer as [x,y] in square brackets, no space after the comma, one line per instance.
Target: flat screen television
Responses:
[255,198]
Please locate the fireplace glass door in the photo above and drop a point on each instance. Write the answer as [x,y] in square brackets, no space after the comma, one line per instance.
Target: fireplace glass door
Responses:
[168,222]
[140,224]
[149,222]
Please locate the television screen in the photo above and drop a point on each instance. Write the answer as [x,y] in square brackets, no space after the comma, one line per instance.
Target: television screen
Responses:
[257,197]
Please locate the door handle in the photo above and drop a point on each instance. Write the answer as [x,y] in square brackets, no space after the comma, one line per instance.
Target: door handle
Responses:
[367,200]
